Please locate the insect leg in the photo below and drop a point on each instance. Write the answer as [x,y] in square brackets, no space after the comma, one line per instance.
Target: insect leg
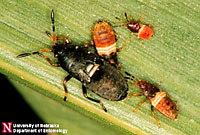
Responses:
[157,85]
[152,111]
[94,100]
[141,102]
[125,43]
[67,78]
[50,62]
[116,36]
[67,41]
[90,29]
[91,42]
[47,58]
[53,38]
[140,39]
[141,17]
[134,94]
[121,23]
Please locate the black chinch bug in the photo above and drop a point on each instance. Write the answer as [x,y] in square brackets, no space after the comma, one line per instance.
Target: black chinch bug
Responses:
[90,69]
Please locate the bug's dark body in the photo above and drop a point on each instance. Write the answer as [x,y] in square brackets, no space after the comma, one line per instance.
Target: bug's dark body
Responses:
[75,60]
[133,26]
[107,81]
[90,69]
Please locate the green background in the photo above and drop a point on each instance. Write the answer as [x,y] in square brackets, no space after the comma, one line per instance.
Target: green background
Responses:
[170,56]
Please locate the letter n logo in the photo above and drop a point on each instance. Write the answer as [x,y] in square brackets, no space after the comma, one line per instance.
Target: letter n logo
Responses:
[7,127]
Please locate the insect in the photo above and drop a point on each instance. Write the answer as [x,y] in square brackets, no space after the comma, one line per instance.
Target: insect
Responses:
[159,99]
[141,30]
[90,69]
[105,42]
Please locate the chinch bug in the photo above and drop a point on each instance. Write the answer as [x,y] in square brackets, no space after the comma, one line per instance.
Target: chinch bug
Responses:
[105,39]
[90,69]
[141,30]
[159,99]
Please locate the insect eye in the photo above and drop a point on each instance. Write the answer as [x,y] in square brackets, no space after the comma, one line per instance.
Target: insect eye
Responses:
[171,108]
[167,103]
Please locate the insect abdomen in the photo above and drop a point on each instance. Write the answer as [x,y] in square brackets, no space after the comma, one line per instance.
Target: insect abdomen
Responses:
[109,83]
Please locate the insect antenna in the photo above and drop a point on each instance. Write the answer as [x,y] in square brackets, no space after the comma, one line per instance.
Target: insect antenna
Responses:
[130,77]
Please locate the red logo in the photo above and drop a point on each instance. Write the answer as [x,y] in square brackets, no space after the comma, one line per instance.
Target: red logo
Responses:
[7,127]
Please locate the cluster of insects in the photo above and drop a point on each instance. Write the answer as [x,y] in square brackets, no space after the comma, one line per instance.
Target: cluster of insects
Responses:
[100,71]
